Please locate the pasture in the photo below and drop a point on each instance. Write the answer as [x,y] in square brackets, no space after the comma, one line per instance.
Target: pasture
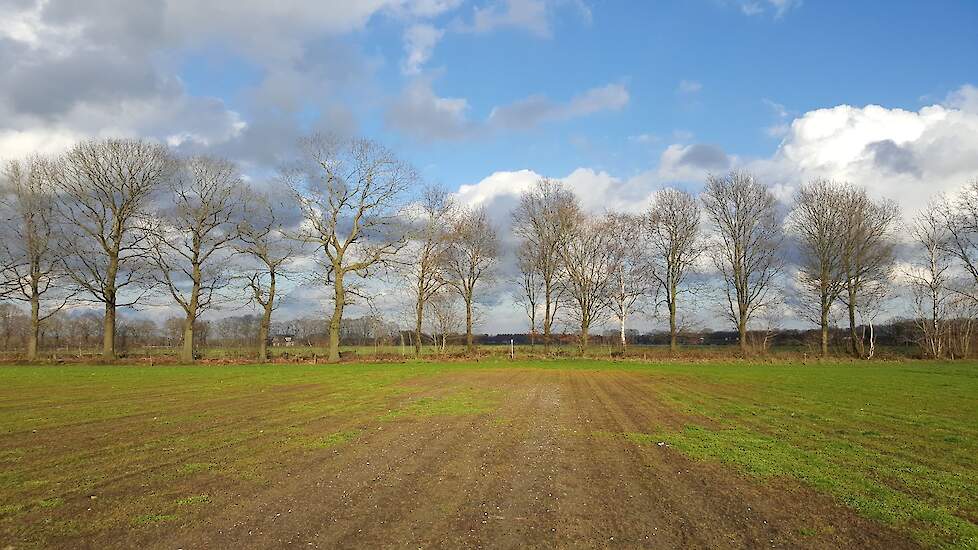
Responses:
[492,453]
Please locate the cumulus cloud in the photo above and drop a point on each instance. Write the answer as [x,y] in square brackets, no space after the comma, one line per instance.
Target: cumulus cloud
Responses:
[421,113]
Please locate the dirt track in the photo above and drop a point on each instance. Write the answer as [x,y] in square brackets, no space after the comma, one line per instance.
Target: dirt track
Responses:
[545,465]
[546,468]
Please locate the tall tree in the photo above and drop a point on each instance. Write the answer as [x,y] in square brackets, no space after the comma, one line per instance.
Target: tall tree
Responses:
[629,279]
[748,252]
[818,222]
[105,187]
[674,246]
[530,288]
[537,224]
[431,219]
[30,256]
[350,193]
[588,259]
[198,224]
[262,237]
[930,278]
[867,255]
[470,259]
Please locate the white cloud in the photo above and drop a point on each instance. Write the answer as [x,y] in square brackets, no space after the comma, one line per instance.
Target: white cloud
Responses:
[760,7]
[419,112]
[419,43]
[529,15]
[533,110]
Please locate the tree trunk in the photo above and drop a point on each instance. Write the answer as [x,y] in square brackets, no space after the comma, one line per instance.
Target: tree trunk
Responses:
[622,335]
[857,343]
[546,320]
[108,331]
[187,351]
[825,332]
[672,324]
[418,320]
[266,320]
[35,325]
[584,335]
[339,297]
[469,341]
[742,333]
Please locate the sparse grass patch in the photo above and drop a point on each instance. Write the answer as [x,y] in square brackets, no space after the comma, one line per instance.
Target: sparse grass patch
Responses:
[193,500]
[150,519]
[53,502]
[461,403]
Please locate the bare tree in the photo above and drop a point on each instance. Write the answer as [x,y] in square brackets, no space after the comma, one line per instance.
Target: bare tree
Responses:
[530,288]
[674,246]
[629,279]
[425,253]
[445,317]
[867,253]
[537,223]
[748,256]
[190,236]
[930,277]
[350,192]
[470,259]
[262,236]
[30,256]
[105,187]
[818,222]
[588,256]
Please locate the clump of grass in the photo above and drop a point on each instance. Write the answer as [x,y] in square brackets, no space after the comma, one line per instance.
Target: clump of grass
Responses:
[333,439]
[458,404]
[53,502]
[194,500]
[194,467]
[10,509]
[150,519]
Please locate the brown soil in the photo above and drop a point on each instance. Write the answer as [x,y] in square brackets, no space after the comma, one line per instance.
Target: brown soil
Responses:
[545,467]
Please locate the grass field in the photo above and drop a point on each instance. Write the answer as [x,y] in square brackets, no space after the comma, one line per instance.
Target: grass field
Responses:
[501,453]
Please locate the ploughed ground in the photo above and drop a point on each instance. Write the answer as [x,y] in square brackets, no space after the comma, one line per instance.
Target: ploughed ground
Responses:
[484,457]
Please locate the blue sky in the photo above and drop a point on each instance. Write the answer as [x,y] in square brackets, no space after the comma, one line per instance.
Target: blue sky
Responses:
[813,55]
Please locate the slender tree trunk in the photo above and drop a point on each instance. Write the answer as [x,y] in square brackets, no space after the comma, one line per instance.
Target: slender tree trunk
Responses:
[266,320]
[825,332]
[108,330]
[584,336]
[548,291]
[622,335]
[418,320]
[857,342]
[339,298]
[35,325]
[673,346]
[469,341]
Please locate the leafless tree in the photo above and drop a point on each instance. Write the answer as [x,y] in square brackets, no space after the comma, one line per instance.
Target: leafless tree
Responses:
[470,259]
[867,253]
[537,223]
[444,317]
[262,237]
[818,222]
[30,256]
[431,220]
[105,187]
[748,252]
[588,258]
[350,192]
[672,227]
[190,237]
[629,279]
[930,278]
[530,288]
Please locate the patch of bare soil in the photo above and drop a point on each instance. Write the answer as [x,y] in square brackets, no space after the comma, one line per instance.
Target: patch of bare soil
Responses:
[545,467]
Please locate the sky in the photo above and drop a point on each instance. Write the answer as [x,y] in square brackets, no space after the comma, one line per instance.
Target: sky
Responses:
[615,98]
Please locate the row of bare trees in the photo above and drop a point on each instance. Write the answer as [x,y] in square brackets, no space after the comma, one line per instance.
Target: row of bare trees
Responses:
[123,222]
